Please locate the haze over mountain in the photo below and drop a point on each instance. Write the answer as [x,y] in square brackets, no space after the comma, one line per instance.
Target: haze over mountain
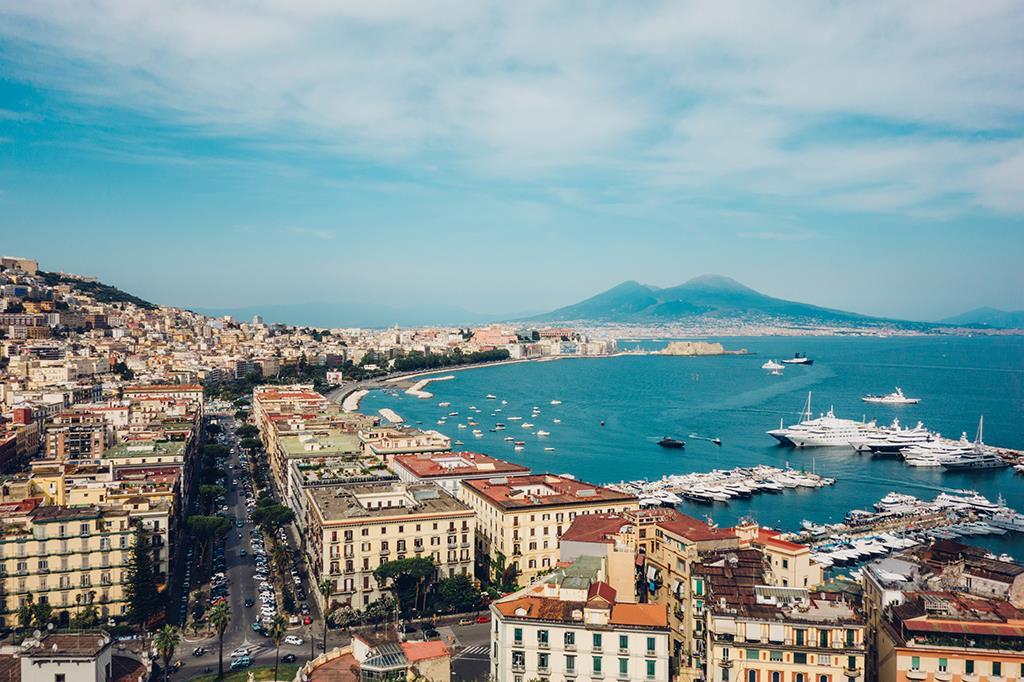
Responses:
[357,314]
[705,296]
[989,317]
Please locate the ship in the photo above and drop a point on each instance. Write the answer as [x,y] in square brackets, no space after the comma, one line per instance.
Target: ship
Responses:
[892,440]
[773,366]
[671,443]
[826,430]
[894,398]
[798,359]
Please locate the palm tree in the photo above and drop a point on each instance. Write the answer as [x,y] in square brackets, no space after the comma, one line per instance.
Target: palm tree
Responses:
[276,632]
[166,641]
[219,617]
[281,556]
[326,587]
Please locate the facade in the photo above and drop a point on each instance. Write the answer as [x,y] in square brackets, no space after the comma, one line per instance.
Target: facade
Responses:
[354,529]
[951,637]
[521,518]
[570,626]
[449,469]
[388,441]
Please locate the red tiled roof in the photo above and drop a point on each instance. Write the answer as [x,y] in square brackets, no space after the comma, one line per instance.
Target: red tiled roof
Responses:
[437,465]
[421,651]
[641,615]
[770,537]
[601,590]
[557,491]
[694,529]
[594,528]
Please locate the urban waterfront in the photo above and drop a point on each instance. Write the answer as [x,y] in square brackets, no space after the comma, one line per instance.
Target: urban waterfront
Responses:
[642,398]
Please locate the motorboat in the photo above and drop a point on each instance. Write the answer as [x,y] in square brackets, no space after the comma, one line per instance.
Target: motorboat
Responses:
[798,359]
[543,433]
[773,366]
[491,396]
[671,443]
[556,402]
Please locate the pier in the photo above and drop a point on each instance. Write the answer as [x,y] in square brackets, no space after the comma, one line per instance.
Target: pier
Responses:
[721,485]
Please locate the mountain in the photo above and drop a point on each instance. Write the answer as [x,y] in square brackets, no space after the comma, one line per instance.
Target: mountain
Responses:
[989,317]
[705,296]
[355,315]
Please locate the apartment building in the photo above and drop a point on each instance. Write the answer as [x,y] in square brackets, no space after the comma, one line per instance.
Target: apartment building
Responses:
[64,556]
[352,530]
[390,441]
[521,518]
[765,633]
[77,442]
[327,472]
[449,469]
[938,636]
[570,625]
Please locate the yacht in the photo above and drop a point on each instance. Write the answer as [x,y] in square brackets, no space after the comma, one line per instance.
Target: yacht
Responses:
[979,459]
[798,359]
[527,425]
[896,502]
[556,421]
[671,443]
[892,440]
[543,433]
[1007,520]
[933,454]
[444,404]
[491,396]
[967,499]
[894,398]
[773,366]
[822,431]
[556,402]
[549,449]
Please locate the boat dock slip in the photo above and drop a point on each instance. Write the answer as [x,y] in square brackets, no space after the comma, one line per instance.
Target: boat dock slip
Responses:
[391,415]
[416,390]
[722,485]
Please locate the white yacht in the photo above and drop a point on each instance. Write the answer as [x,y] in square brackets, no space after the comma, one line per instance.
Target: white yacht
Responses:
[934,453]
[976,459]
[490,396]
[543,433]
[773,366]
[822,431]
[894,398]
[890,441]
[556,402]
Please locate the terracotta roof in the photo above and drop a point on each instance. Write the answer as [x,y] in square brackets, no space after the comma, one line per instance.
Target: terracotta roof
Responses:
[594,528]
[693,529]
[641,615]
[770,537]
[601,590]
[543,490]
[539,608]
[421,651]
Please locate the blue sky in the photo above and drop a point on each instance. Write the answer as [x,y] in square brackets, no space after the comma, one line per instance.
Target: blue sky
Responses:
[518,156]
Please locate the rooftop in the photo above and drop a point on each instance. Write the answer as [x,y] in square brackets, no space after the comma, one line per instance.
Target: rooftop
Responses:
[543,490]
[943,617]
[323,442]
[453,464]
[534,607]
[596,528]
[384,500]
[146,448]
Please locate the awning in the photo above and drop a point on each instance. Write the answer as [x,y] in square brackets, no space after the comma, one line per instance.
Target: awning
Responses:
[675,586]
[776,632]
[752,632]
[725,626]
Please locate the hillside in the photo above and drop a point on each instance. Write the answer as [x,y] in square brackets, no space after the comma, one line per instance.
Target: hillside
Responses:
[710,296]
[989,317]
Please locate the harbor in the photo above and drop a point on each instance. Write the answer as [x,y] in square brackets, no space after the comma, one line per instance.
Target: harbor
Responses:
[720,485]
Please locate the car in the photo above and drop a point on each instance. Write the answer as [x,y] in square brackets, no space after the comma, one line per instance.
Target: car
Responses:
[240,651]
[243,553]
[239,524]
[256,627]
[306,620]
[293,620]
[249,603]
[294,640]
[288,658]
[241,662]
[430,635]
[466,621]
[483,619]
[407,628]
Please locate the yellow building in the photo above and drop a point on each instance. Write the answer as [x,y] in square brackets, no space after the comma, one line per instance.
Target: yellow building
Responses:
[354,529]
[64,556]
[521,519]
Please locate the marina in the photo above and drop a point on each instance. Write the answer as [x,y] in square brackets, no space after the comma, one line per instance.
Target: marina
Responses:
[720,485]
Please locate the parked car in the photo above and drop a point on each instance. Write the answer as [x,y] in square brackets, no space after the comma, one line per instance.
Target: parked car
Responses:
[288,658]
[199,651]
[485,618]
[241,662]
[249,603]
[306,620]
[430,635]
[240,651]
[293,640]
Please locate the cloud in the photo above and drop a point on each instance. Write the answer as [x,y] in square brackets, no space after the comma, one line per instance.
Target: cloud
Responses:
[872,106]
[296,231]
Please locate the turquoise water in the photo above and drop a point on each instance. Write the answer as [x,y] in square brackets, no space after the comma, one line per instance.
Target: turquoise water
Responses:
[643,398]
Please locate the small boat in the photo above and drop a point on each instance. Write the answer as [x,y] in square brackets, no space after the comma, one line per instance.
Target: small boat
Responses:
[549,449]
[515,419]
[602,422]
[716,441]
[559,421]
[491,396]
[518,448]
[527,425]
[894,398]
[508,439]
[453,414]
[773,366]
[444,404]
[798,359]
[543,433]
[462,426]
[520,443]
[556,402]
[671,443]
[499,427]
[459,442]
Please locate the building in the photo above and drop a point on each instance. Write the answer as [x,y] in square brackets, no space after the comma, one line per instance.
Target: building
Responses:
[571,626]
[766,633]
[65,556]
[389,441]
[521,518]
[947,636]
[449,469]
[73,657]
[354,529]
[76,442]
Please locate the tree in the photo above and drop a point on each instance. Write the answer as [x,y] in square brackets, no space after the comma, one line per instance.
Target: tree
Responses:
[42,613]
[250,444]
[247,431]
[405,575]
[276,631]
[271,516]
[280,555]
[140,581]
[166,641]
[206,530]
[457,594]
[220,617]
[326,587]
[26,612]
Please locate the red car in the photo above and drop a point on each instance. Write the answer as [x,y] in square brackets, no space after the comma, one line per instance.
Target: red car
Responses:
[483,619]
[306,620]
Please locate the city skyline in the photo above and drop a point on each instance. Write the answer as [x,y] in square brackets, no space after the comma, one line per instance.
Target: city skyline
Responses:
[506,160]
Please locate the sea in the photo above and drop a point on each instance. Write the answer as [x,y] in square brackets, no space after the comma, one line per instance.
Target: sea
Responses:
[613,411]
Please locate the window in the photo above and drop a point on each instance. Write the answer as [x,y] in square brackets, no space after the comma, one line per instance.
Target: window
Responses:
[752,675]
[570,639]
[823,678]
[651,645]
[698,587]
[597,641]
[785,563]
[968,667]
[597,664]
[800,657]
[753,655]
[776,676]
[822,637]
[799,633]
[517,635]
[851,662]
[651,665]
[775,656]
[542,661]
[59,677]
[623,667]
[725,675]
[850,636]
[997,669]
[542,638]
[623,642]
[799,677]
[570,664]
[518,659]
[915,663]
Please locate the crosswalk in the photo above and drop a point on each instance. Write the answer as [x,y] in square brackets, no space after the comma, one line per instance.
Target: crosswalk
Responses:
[481,652]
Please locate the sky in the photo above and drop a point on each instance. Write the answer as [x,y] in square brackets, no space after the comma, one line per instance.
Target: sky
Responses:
[507,157]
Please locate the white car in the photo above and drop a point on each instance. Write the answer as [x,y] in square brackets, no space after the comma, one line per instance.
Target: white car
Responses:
[293,640]
[240,651]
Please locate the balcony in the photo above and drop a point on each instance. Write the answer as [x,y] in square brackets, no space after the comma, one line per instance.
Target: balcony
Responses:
[570,646]
[725,663]
[518,667]
[940,676]
[917,675]
[543,645]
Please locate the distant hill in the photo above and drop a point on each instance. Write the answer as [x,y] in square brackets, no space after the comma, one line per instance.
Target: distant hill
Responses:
[104,293]
[989,317]
[355,315]
[705,296]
